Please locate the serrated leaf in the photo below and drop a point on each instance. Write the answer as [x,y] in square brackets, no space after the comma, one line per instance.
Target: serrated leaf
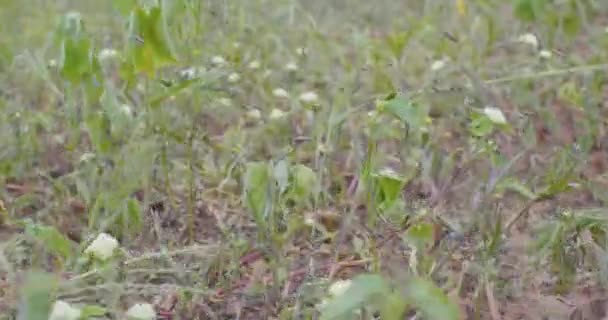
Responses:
[364,289]
[431,300]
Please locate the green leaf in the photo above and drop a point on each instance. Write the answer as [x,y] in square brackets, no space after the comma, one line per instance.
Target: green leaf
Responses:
[363,290]
[49,237]
[257,179]
[150,47]
[124,6]
[431,300]
[404,110]
[528,10]
[76,59]
[390,186]
[481,125]
[420,235]
[515,185]
[281,174]
[133,214]
[304,181]
[90,311]
[393,307]
[37,296]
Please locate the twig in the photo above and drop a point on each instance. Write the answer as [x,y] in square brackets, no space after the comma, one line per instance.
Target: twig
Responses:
[549,73]
[491,301]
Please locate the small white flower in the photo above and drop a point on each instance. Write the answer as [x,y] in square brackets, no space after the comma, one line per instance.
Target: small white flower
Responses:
[545,54]
[188,74]
[254,65]
[102,247]
[218,61]
[309,97]
[267,73]
[234,77]
[52,63]
[276,114]
[236,45]
[280,93]
[226,102]
[528,38]
[126,110]
[339,287]
[86,157]
[495,115]
[438,65]
[301,51]
[141,311]
[64,311]
[254,114]
[292,66]
[107,54]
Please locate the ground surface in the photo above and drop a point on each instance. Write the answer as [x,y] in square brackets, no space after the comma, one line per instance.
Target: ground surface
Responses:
[232,199]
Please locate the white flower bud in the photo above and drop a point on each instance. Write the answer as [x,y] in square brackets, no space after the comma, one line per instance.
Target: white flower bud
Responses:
[280,93]
[218,61]
[292,66]
[141,311]
[309,97]
[107,54]
[545,54]
[339,287]
[234,77]
[528,38]
[64,311]
[254,65]
[102,247]
[438,65]
[254,114]
[276,114]
[495,115]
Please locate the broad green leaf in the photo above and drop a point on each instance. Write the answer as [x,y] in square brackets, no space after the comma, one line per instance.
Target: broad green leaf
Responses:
[528,10]
[150,47]
[390,185]
[393,307]
[99,128]
[91,311]
[49,237]
[37,296]
[257,179]
[364,290]
[304,181]
[420,235]
[76,58]
[431,300]
[133,214]
[124,6]
[481,125]
[404,110]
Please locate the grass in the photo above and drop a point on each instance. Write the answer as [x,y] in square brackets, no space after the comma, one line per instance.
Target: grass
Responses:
[277,159]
